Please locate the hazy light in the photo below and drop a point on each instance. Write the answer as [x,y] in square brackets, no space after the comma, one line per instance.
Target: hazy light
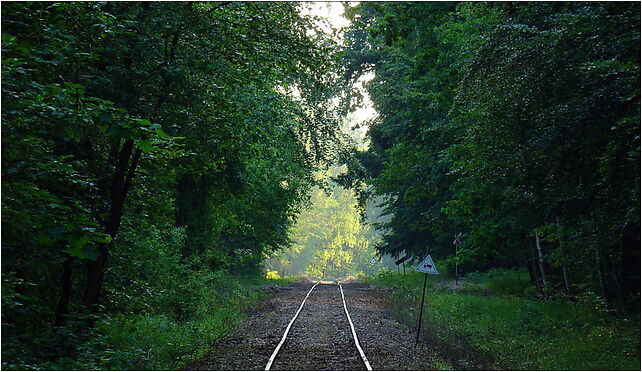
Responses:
[331,12]
[334,23]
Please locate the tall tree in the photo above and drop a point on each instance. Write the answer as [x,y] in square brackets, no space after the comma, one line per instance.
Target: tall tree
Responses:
[500,120]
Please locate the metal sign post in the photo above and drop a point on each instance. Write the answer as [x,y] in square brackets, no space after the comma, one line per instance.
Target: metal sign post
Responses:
[427,267]
[402,261]
[421,311]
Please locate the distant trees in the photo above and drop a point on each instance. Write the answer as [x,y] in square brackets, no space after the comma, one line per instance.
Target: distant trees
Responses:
[329,239]
[515,123]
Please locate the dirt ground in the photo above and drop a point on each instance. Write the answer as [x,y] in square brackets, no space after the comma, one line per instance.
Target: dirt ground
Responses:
[321,339]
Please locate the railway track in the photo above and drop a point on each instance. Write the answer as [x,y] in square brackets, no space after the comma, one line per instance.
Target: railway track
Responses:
[284,338]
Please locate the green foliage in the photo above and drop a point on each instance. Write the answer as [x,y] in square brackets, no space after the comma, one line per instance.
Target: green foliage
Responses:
[153,342]
[164,314]
[151,153]
[516,333]
[500,121]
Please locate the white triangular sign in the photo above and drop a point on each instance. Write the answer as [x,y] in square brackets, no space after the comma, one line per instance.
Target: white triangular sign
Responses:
[427,266]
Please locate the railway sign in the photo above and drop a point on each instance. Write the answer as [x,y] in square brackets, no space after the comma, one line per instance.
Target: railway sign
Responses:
[402,259]
[427,266]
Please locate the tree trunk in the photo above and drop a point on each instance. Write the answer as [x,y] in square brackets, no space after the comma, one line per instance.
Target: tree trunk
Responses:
[596,253]
[568,288]
[616,280]
[532,272]
[120,186]
[630,267]
[541,259]
[559,239]
[65,293]
[598,266]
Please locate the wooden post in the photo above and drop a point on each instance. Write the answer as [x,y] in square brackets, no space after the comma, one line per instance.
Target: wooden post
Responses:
[421,310]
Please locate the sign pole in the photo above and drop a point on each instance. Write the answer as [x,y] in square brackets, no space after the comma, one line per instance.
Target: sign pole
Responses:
[427,266]
[401,261]
[421,311]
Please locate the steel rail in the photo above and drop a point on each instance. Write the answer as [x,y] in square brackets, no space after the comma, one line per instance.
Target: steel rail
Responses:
[354,333]
[287,329]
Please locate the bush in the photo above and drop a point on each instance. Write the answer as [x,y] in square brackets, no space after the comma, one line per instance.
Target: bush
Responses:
[161,313]
[500,282]
[272,274]
[156,341]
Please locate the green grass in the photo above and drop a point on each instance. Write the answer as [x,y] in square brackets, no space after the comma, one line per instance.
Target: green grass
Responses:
[511,332]
[159,343]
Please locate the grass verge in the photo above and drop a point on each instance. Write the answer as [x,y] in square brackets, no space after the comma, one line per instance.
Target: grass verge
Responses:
[510,332]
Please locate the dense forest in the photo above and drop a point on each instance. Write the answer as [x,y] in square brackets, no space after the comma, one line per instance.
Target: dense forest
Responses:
[516,125]
[159,157]
[147,149]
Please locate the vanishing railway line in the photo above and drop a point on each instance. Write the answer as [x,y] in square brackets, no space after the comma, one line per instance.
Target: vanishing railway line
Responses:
[314,326]
[275,353]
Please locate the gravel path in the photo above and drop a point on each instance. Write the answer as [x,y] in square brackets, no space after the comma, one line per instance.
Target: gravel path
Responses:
[320,339]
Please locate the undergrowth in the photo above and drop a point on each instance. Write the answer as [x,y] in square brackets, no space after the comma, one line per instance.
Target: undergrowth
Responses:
[513,332]
[162,313]
[158,342]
